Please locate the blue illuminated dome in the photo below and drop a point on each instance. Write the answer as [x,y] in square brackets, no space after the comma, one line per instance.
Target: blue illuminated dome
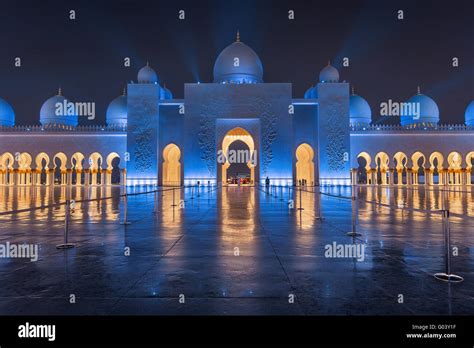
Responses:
[359,110]
[147,75]
[238,63]
[329,74]
[311,93]
[165,93]
[469,114]
[48,114]
[7,115]
[429,112]
[117,111]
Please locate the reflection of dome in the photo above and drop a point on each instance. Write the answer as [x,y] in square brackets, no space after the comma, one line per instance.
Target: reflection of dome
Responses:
[359,110]
[469,114]
[7,115]
[165,93]
[50,114]
[238,63]
[147,75]
[117,111]
[429,112]
[329,74]
[311,93]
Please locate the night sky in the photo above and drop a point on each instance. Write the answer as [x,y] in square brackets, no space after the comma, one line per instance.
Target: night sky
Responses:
[388,58]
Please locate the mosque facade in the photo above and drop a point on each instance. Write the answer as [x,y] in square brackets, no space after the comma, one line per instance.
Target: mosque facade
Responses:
[325,138]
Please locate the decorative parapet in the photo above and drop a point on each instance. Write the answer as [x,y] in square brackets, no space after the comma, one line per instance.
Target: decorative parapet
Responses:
[419,127]
[63,128]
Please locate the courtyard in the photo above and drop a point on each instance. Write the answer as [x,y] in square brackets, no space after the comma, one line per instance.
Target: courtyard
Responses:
[235,251]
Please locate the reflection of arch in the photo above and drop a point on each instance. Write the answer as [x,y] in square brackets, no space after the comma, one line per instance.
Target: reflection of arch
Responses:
[6,168]
[382,165]
[418,167]
[454,168]
[401,161]
[305,164]
[171,165]
[436,168]
[243,135]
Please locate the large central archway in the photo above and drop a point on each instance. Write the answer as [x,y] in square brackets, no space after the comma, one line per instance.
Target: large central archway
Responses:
[241,155]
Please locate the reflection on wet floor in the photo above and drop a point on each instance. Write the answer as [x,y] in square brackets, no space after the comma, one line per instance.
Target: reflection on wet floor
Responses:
[235,250]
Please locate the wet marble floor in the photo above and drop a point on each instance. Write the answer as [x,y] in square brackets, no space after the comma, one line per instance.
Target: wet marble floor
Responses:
[235,251]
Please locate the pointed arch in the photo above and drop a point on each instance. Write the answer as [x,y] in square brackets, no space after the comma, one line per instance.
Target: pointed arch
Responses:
[171,165]
[305,164]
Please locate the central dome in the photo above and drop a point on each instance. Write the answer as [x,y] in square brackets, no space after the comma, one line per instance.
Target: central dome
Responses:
[238,63]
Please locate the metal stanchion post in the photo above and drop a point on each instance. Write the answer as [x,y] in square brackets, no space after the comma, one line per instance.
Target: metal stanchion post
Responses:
[301,201]
[318,217]
[125,210]
[192,192]
[198,194]
[448,276]
[355,212]
[281,192]
[155,206]
[66,245]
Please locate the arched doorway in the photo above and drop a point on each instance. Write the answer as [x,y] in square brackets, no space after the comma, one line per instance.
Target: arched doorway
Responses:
[241,156]
[305,165]
[382,167]
[436,168]
[418,168]
[454,168]
[113,169]
[171,165]
[363,169]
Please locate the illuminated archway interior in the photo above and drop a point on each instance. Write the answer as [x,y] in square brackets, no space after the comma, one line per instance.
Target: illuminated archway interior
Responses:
[171,165]
[239,134]
[305,164]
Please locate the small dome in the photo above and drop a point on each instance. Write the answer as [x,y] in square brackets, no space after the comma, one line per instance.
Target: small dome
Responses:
[428,110]
[469,114]
[238,63]
[117,111]
[329,74]
[359,110]
[52,113]
[147,75]
[311,93]
[165,93]
[7,115]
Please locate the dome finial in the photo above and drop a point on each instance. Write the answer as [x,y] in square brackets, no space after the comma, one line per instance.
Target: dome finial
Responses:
[237,39]
[418,90]
[353,90]
[60,92]
[124,93]
[329,62]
